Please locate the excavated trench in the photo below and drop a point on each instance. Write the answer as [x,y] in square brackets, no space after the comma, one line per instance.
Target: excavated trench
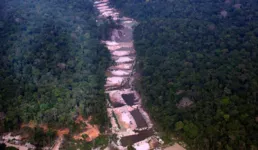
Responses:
[129,99]
[141,135]
[141,123]
[129,121]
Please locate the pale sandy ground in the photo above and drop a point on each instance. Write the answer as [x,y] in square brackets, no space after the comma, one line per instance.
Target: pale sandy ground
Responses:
[126,44]
[113,47]
[100,5]
[112,119]
[129,22]
[125,118]
[111,43]
[176,146]
[120,73]
[58,143]
[126,19]
[8,137]
[114,81]
[104,8]
[107,14]
[124,60]
[143,146]
[122,53]
[19,147]
[122,66]
[115,96]
[107,11]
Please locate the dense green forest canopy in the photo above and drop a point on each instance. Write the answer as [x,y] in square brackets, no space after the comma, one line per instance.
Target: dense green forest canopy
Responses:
[52,62]
[199,66]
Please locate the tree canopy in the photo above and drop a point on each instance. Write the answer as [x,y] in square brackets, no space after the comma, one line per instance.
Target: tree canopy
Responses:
[52,62]
[205,51]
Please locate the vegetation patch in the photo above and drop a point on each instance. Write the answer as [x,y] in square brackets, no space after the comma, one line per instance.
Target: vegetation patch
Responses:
[208,49]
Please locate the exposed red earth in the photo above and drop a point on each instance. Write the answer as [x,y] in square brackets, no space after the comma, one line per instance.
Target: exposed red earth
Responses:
[92,131]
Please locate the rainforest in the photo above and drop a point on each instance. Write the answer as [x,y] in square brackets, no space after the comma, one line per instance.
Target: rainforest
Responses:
[198,65]
[69,69]
[52,66]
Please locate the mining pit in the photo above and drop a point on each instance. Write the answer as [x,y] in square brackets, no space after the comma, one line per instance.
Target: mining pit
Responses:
[129,121]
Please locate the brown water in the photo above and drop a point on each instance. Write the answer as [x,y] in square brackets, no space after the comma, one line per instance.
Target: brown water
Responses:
[129,99]
[140,121]
[129,140]
[116,104]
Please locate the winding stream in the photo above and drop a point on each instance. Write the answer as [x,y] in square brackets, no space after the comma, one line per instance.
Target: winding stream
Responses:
[130,122]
